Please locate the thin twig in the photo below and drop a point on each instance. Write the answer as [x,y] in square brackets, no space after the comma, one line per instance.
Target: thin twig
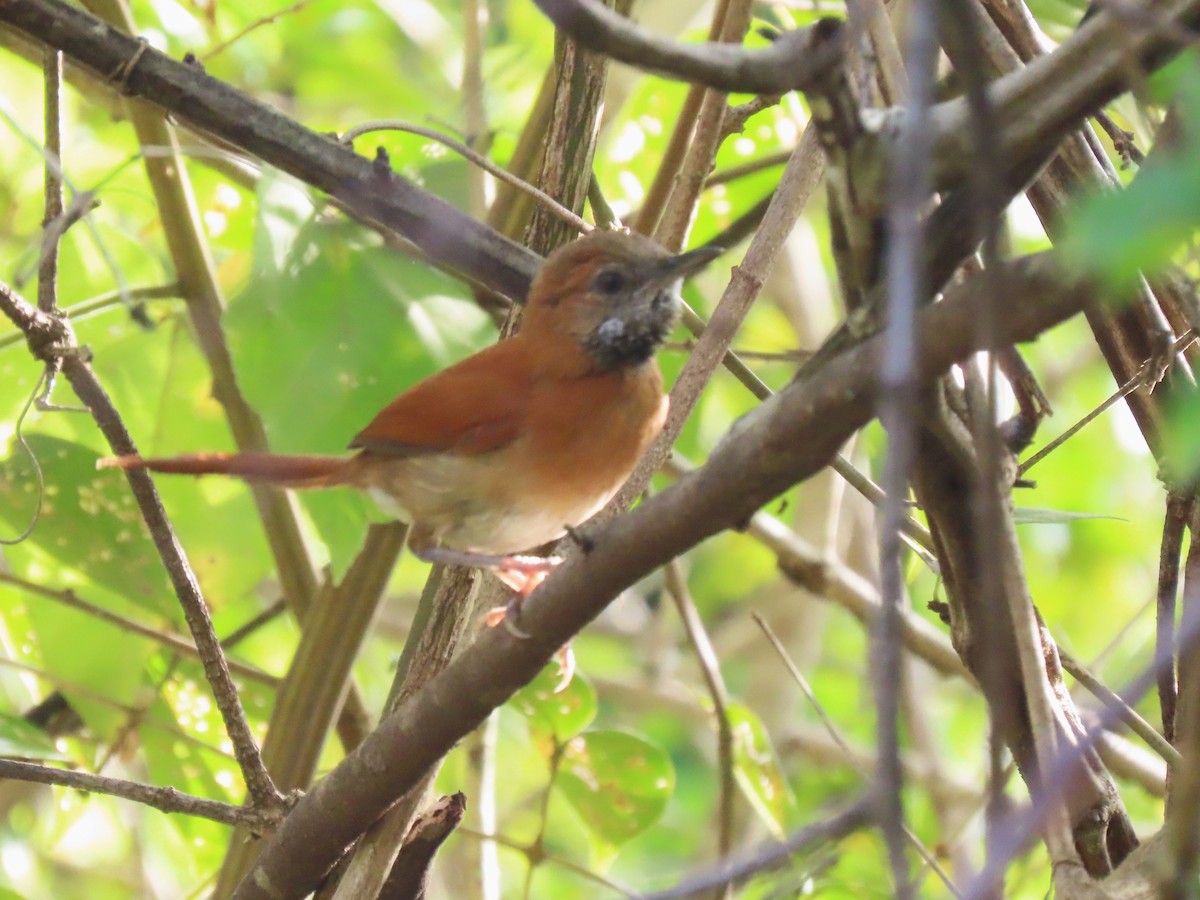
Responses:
[906,285]
[733,173]
[568,864]
[1124,711]
[171,641]
[1178,511]
[547,202]
[1138,380]
[104,301]
[475,19]
[165,799]
[65,685]
[48,263]
[38,475]
[736,871]
[840,739]
[253,26]
[50,337]
[710,669]
[797,184]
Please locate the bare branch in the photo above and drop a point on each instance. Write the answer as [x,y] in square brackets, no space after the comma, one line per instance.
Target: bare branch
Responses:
[787,439]
[165,799]
[793,62]
[49,337]
[736,871]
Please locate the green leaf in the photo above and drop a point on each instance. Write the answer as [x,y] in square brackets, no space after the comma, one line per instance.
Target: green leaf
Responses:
[560,716]
[757,771]
[618,783]
[23,740]
[89,520]
[1182,438]
[1118,234]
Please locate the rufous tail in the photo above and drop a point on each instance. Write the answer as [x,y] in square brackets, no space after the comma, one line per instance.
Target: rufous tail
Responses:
[259,468]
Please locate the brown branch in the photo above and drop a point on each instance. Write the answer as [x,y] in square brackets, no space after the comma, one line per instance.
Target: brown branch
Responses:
[793,62]
[733,872]
[52,232]
[1039,104]
[441,626]
[1178,512]
[49,338]
[706,135]
[442,232]
[789,438]
[312,696]
[410,872]
[165,799]
[710,670]
[173,642]
[1183,795]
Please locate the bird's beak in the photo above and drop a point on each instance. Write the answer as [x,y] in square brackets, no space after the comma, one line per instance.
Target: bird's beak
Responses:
[684,264]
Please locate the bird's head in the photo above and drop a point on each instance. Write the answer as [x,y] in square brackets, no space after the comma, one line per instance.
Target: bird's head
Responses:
[615,295]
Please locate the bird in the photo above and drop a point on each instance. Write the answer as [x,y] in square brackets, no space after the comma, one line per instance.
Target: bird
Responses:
[512,447]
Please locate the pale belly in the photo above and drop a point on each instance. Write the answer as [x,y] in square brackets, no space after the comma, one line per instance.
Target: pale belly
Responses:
[441,492]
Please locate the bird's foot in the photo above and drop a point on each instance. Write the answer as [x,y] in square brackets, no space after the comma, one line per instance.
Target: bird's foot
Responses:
[508,614]
[521,573]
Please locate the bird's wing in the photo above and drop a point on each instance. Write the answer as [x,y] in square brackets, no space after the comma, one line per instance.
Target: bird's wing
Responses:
[474,406]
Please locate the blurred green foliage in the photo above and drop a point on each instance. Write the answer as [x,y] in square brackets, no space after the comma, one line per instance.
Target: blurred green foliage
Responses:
[616,777]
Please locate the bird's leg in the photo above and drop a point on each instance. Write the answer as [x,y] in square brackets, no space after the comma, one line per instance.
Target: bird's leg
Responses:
[520,573]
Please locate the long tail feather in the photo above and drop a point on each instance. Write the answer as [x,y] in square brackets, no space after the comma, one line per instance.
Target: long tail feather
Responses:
[260,468]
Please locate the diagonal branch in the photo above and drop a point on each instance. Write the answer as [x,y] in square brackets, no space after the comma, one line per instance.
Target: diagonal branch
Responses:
[441,231]
[786,440]
[49,337]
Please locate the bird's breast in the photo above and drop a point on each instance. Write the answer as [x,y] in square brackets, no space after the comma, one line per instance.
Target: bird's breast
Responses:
[578,442]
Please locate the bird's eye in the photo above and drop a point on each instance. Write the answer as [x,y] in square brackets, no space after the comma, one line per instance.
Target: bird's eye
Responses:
[610,281]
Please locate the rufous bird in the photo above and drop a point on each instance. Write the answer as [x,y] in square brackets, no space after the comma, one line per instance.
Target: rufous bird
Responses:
[511,447]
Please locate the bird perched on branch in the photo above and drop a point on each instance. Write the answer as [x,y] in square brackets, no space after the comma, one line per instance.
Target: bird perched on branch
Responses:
[508,449]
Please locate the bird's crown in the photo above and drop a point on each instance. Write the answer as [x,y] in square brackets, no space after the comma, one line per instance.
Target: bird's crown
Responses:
[614,293]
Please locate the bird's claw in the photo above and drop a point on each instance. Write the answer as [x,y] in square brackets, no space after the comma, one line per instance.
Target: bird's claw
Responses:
[508,614]
[566,667]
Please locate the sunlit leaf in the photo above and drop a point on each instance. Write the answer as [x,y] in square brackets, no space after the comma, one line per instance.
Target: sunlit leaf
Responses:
[757,771]
[553,718]
[618,783]
[1118,234]
[89,520]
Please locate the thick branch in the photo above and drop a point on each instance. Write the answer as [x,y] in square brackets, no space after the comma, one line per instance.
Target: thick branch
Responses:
[1037,105]
[786,440]
[441,231]
[793,62]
